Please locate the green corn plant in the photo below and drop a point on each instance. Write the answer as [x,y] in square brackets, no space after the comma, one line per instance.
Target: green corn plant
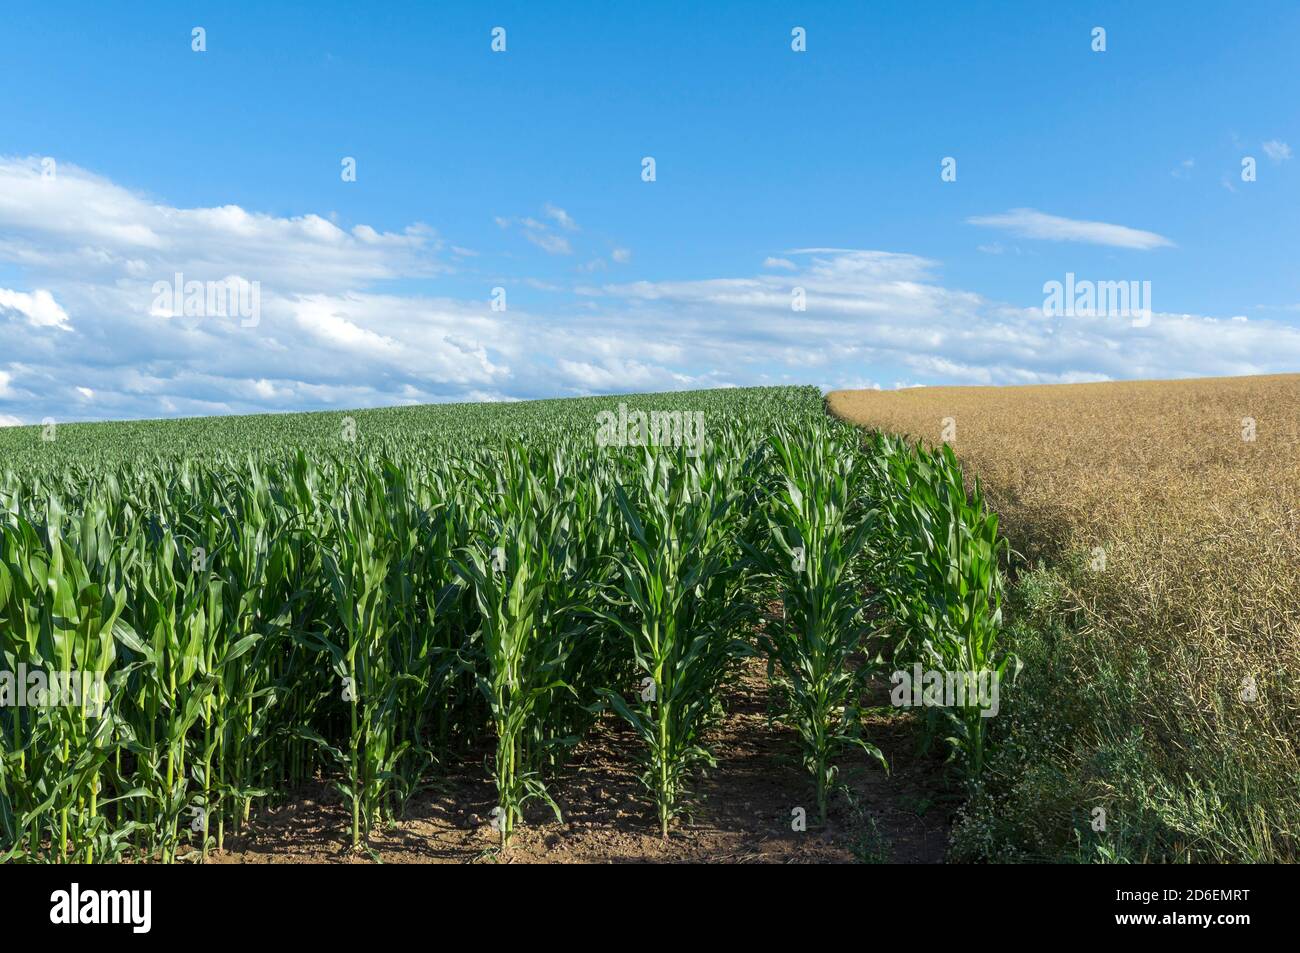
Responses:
[419,574]
[973,601]
[521,635]
[670,602]
[55,747]
[522,660]
[167,638]
[816,532]
[23,593]
[939,568]
[83,637]
[256,600]
[356,571]
[575,517]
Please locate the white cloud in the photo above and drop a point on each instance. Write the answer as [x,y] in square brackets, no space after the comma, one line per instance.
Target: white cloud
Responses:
[872,309]
[8,420]
[540,234]
[1277,150]
[81,223]
[38,308]
[621,255]
[327,335]
[561,216]
[549,242]
[1030,223]
[785,263]
[333,335]
[616,375]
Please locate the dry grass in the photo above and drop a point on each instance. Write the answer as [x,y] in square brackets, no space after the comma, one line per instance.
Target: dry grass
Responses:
[1200,531]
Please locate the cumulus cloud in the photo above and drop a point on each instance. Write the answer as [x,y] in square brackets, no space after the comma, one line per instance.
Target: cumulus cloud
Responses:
[78,222]
[38,308]
[1031,223]
[91,329]
[85,336]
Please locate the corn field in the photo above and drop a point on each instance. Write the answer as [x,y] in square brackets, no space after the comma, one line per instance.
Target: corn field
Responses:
[256,603]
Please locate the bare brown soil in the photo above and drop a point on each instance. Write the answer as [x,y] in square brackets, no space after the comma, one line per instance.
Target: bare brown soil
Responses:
[743,814]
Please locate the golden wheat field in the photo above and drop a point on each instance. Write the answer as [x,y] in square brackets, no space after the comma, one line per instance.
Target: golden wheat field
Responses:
[1177,503]
[1081,462]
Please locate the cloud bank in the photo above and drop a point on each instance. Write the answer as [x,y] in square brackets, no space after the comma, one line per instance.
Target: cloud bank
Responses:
[80,337]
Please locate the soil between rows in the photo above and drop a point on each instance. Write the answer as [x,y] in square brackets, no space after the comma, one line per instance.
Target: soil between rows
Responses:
[743,813]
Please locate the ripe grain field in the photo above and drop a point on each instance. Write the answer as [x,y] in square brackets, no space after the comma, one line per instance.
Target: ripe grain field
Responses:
[1156,611]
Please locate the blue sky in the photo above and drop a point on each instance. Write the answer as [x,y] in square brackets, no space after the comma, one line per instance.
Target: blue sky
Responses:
[775,169]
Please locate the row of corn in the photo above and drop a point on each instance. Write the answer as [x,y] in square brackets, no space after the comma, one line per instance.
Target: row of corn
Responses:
[369,602]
